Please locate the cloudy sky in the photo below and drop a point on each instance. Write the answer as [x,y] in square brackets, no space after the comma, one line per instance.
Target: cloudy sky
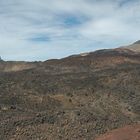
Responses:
[44,29]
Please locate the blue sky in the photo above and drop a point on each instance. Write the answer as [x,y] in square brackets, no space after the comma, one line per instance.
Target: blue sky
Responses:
[44,29]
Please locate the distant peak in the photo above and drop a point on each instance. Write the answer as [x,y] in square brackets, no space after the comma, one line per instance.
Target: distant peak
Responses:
[137,42]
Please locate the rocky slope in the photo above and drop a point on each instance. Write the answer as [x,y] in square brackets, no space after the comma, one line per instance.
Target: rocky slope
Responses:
[78,97]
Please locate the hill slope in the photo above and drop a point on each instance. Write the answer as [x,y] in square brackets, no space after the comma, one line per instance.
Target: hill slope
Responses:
[78,97]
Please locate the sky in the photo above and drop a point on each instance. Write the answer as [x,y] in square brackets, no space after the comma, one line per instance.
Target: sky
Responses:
[38,30]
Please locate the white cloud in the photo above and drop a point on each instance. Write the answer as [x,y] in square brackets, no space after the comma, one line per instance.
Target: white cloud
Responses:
[70,26]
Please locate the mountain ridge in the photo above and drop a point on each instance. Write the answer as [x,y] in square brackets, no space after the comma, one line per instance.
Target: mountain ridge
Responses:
[7,66]
[137,42]
[134,47]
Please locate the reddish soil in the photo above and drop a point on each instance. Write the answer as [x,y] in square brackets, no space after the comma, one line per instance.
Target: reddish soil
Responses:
[126,133]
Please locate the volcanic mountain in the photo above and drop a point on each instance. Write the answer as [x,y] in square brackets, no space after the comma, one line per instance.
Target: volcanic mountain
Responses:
[78,97]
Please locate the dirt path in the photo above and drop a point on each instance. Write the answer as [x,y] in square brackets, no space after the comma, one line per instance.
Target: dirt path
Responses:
[126,133]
